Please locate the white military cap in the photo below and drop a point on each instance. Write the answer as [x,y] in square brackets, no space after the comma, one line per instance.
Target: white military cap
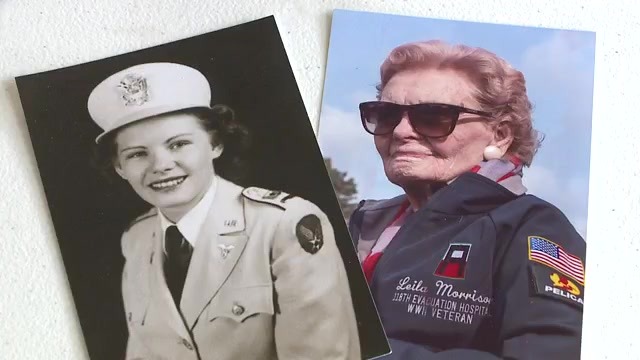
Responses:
[146,90]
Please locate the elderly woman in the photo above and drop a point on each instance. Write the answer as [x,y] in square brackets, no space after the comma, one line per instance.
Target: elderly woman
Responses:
[464,264]
[214,270]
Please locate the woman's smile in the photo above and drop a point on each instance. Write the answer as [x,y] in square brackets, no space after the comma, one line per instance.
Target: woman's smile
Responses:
[168,184]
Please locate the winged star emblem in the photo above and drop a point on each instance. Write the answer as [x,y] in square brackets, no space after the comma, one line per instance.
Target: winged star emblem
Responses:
[314,240]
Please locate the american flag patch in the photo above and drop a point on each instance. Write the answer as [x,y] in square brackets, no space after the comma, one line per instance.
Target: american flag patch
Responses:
[553,255]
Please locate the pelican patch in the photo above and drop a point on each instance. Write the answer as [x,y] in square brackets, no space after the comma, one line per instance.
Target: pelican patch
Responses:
[309,234]
[553,284]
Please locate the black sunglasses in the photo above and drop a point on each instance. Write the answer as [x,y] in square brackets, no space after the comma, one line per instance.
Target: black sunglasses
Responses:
[431,120]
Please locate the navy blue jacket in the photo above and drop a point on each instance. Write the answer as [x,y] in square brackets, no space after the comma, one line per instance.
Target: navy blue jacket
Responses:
[477,273]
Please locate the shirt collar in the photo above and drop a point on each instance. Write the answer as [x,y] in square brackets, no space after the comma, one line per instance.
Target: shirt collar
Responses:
[191,223]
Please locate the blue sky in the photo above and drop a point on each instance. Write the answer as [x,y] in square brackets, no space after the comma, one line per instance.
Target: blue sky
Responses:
[558,66]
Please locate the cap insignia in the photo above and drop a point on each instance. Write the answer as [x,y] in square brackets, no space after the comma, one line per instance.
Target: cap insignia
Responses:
[134,90]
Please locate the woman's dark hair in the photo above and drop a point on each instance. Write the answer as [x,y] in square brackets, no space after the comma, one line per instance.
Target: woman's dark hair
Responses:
[219,121]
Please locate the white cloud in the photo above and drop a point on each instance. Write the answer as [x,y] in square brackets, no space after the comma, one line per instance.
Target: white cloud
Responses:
[563,65]
[566,194]
[556,59]
[559,77]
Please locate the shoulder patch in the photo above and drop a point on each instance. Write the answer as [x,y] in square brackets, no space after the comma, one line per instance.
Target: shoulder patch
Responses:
[148,214]
[273,197]
[553,284]
[548,253]
[309,233]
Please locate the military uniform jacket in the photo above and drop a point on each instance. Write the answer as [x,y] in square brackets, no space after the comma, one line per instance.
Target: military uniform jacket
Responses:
[466,276]
[265,281]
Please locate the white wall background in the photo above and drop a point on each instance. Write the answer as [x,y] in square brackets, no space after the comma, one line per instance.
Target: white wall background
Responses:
[37,315]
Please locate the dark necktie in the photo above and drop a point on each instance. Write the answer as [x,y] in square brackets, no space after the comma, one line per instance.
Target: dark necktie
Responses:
[177,262]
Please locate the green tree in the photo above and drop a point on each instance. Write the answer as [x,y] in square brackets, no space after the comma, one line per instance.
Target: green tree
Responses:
[344,187]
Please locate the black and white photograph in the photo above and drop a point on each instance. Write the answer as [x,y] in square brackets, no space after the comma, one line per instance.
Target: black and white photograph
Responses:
[194,212]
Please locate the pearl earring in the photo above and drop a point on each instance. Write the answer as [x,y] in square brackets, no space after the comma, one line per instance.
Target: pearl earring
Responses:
[492,152]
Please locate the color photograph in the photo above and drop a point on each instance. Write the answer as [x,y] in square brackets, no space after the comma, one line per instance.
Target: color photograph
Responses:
[460,154]
[194,213]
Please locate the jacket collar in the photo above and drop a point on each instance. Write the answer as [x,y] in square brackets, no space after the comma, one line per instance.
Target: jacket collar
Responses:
[367,205]
[470,193]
